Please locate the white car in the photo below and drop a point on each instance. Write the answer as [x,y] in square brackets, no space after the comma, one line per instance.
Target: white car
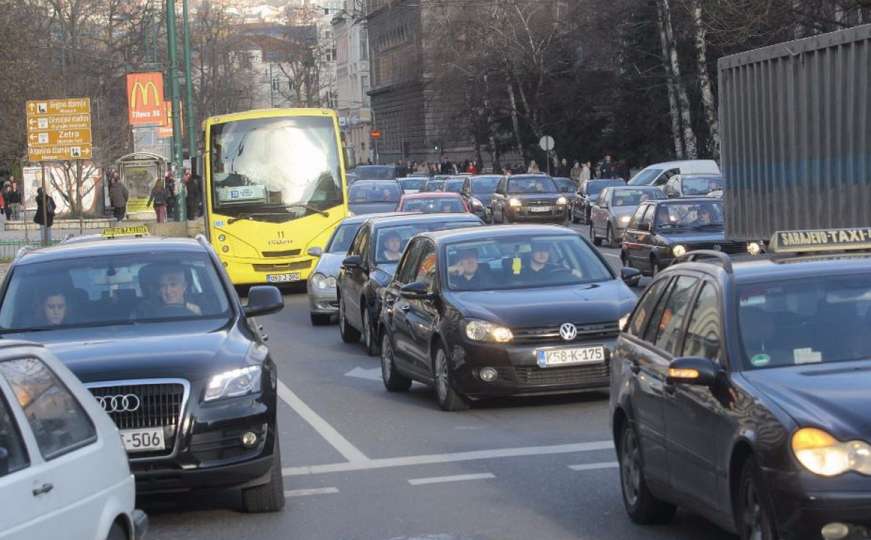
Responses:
[63,469]
[659,173]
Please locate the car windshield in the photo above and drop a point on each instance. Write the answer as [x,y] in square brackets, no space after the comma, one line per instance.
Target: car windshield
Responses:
[434,204]
[390,241]
[434,185]
[484,184]
[522,262]
[342,238]
[454,185]
[690,215]
[275,169]
[813,320]
[701,185]
[375,172]
[596,186]
[112,289]
[533,184]
[374,192]
[645,177]
[414,184]
[565,185]
[634,197]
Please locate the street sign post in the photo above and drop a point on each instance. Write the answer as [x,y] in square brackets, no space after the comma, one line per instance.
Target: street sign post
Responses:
[59,130]
[546,143]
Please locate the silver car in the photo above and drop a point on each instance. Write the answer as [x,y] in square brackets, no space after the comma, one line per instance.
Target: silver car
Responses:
[322,300]
[611,212]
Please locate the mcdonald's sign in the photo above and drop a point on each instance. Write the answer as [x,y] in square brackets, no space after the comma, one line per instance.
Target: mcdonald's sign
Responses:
[145,99]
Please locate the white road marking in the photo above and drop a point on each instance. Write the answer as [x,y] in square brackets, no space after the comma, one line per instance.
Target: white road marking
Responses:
[430,459]
[328,432]
[309,492]
[373,374]
[612,255]
[595,466]
[455,478]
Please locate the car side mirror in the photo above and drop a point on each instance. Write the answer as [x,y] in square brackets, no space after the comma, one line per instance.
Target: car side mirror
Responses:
[693,370]
[352,262]
[264,300]
[415,291]
[315,251]
[630,276]
[4,461]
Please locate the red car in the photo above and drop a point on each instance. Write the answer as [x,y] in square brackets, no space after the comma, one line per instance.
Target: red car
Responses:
[429,202]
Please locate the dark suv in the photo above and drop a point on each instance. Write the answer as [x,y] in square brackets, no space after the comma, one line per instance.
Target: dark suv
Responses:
[155,330]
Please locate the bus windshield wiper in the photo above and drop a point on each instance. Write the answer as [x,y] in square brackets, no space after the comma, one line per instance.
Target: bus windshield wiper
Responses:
[251,215]
[310,208]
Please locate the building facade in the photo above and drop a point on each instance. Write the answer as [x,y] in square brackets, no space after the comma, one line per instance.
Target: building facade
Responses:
[353,83]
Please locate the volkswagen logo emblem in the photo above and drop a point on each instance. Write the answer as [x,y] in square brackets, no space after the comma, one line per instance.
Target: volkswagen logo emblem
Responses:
[120,403]
[568,331]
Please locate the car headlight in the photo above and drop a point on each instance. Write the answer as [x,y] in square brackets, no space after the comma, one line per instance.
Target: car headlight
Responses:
[679,250]
[624,220]
[822,454]
[234,383]
[476,202]
[484,331]
[323,282]
[562,201]
[515,202]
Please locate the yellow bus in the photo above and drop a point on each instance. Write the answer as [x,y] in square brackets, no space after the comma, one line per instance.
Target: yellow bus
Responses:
[274,187]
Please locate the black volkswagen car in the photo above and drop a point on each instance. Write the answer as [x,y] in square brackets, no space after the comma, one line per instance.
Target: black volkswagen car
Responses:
[659,231]
[739,390]
[154,328]
[529,198]
[370,263]
[498,311]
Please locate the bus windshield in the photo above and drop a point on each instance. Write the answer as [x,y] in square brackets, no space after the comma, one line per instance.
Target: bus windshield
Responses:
[275,169]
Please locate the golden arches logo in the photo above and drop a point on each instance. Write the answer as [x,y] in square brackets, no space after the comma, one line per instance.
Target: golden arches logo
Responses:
[142,90]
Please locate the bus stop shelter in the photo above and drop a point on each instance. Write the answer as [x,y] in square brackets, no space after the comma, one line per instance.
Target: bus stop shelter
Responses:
[139,171]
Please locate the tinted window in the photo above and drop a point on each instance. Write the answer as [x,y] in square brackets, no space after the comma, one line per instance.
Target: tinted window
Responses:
[645,308]
[431,205]
[434,185]
[57,419]
[818,319]
[342,238]
[374,192]
[405,232]
[113,289]
[455,185]
[634,197]
[703,333]
[565,185]
[375,172]
[708,214]
[670,323]
[485,184]
[522,262]
[412,183]
[531,184]
[701,185]
[645,177]
[406,272]
[426,266]
[595,187]
[10,439]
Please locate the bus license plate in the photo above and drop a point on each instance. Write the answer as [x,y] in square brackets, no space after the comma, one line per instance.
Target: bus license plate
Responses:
[282,278]
[143,440]
[570,357]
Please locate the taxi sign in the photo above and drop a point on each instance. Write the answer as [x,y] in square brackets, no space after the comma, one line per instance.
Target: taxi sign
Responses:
[855,238]
[118,232]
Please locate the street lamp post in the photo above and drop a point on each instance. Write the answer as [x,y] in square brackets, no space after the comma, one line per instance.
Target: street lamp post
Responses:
[177,135]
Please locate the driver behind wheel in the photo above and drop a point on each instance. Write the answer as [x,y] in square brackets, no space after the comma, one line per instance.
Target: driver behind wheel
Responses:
[171,298]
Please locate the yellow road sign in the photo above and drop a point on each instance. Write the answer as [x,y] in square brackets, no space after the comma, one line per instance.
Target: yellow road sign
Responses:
[49,107]
[74,121]
[60,153]
[66,137]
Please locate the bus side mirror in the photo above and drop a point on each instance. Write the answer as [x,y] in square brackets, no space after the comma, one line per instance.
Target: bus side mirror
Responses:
[315,251]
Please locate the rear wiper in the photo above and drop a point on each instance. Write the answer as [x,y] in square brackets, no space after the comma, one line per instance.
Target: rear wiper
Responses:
[309,208]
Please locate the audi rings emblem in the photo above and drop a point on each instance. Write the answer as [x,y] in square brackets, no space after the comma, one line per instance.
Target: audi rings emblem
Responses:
[568,331]
[120,403]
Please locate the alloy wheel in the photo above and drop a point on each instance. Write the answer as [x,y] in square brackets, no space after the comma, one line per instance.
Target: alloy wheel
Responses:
[386,359]
[441,375]
[753,519]
[630,467]
[367,335]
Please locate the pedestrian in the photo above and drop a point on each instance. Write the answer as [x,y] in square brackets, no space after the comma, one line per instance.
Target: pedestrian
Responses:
[533,167]
[159,199]
[3,200]
[564,168]
[606,169]
[194,190]
[473,167]
[45,209]
[118,196]
[171,202]
[13,199]
[585,172]
[575,172]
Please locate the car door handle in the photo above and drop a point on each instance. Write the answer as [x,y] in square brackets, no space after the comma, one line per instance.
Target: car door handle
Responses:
[42,490]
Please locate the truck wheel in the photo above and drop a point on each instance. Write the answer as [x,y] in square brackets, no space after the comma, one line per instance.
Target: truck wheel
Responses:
[270,496]
[641,505]
[349,334]
[448,398]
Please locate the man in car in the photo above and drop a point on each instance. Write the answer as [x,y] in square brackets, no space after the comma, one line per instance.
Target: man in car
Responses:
[469,273]
[392,247]
[540,267]
[171,296]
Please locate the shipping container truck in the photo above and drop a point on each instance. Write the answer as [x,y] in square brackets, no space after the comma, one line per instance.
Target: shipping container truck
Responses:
[795,121]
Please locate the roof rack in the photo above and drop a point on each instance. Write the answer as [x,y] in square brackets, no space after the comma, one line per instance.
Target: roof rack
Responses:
[694,256]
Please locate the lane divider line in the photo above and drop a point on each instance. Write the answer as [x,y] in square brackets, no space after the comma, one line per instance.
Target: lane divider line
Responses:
[310,492]
[595,466]
[324,429]
[430,459]
[444,479]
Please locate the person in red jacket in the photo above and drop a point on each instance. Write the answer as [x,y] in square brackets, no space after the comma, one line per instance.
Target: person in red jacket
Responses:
[472,168]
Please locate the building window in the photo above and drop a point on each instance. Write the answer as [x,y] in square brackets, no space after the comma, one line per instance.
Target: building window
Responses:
[364,44]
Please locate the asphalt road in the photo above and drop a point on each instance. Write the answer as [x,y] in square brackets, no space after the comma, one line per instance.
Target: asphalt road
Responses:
[360,463]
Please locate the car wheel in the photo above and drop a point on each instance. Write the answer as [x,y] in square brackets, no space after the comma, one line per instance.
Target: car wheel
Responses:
[754,516]
[448,398]
[117,533]
[370,340]
[349,335]
[393,380]
[596,240]
[320,319]
[641,505]
[654,267]
[270,496]
[609,237]
[573,216]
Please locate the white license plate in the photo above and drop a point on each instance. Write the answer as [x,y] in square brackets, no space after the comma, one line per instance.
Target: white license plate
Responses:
[540,208]
[282,278]
[569,357]
[143,440]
